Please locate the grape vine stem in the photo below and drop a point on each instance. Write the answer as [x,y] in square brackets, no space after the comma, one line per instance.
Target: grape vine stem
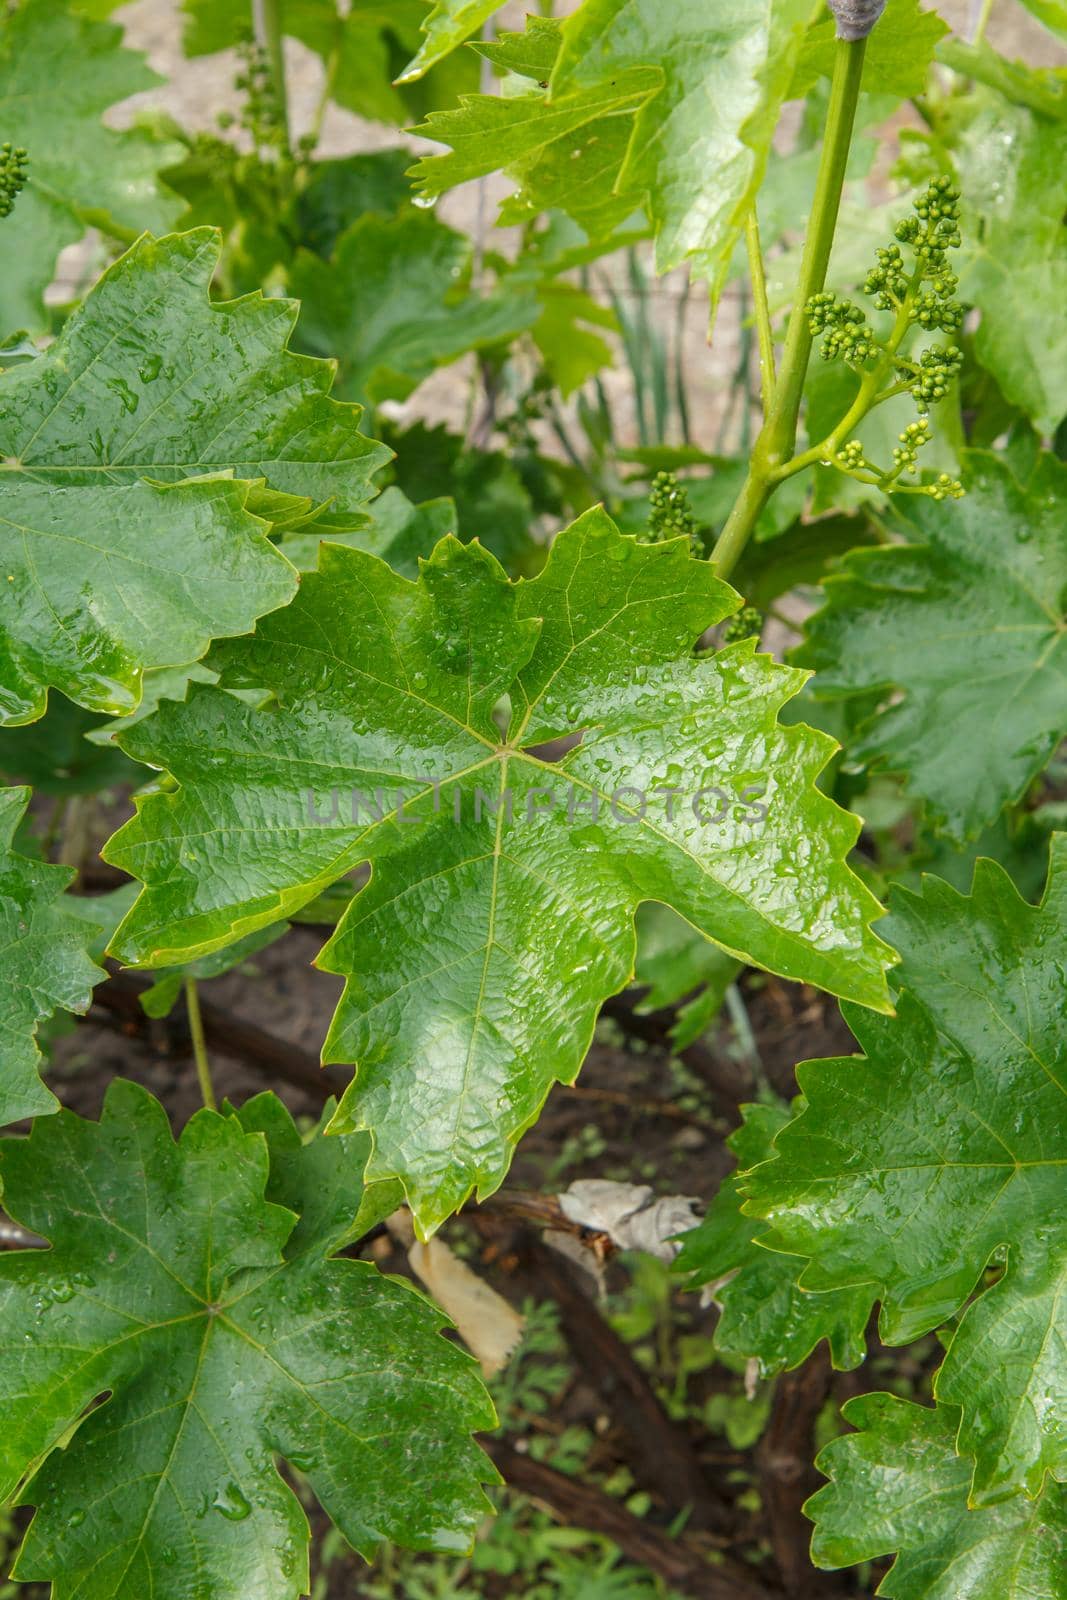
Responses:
[777,440]
[200,1055]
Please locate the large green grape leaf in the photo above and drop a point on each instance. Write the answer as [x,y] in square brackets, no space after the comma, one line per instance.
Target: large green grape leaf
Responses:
[964,632]
[898,1488]
[480,950]
[58,74]
[946,1151]
[226,1334]
[43,951]
[112,564]
[390,305]
[1012,264]
[764,1313]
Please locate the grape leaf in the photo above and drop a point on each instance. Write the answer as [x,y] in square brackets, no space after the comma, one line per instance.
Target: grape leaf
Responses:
[226,1334]
[913,1170]
[898,58]
[45,963]
[965,629]
[58,74]
[390,305]
[1053,13]
[478,954]
[565,150]
[113,565]
[898,1486]
[447,26]
[699,172]
[1012,265]
[765,1314]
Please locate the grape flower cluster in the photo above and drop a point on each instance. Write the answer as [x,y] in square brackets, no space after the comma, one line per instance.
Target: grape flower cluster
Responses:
[670,515]
[14,163]
[920,292]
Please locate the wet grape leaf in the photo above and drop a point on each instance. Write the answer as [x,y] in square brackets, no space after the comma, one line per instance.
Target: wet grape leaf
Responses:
[765,1315]
[110,563]
[196,1285]
[480,950]
[944,1152]
[963,631]
[46,964]
[898,1488]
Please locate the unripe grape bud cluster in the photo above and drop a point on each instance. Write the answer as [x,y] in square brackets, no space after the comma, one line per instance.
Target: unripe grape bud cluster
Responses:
[14,163]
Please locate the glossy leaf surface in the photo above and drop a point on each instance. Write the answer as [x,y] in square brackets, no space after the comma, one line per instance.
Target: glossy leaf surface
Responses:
[46,966]
[225,1333]
[113,564]
[494,925]
[898,1488]
[944,1152]
[963,629]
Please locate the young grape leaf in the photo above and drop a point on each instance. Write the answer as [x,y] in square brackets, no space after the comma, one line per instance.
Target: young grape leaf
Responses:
[911,1171]
[112,564]
[226,1334]
[393,528]
[58,74]
[390,308]
[700,173]
[565,151]
[765,1314]
[45,963]
[965,629]
[897,1487]
[499,914]
[446,27]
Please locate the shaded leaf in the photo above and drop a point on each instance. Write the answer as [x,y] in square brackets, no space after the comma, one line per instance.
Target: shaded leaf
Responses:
[391,305]
[45,963]
[58,74]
